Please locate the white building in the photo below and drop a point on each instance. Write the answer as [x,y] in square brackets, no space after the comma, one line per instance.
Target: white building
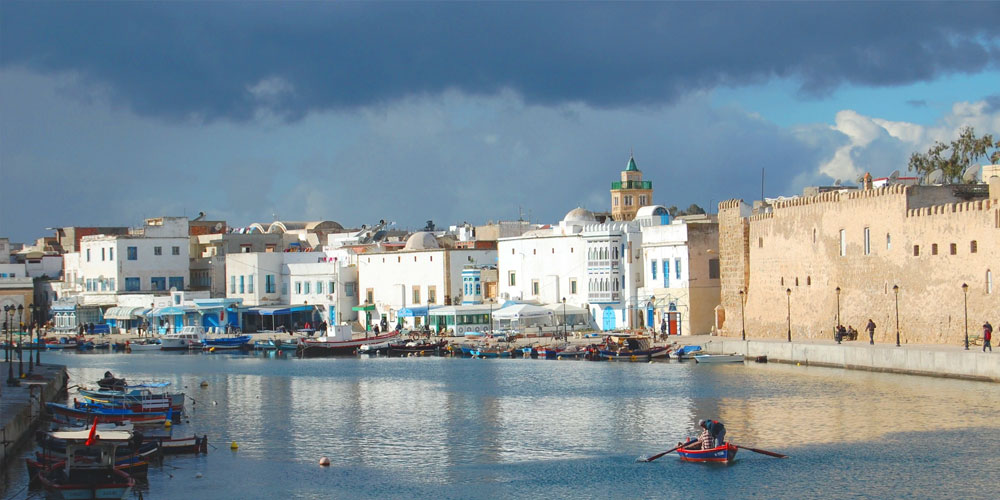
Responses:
[545,265]
[614,273]
[680,272]
[154,259]
[399,286]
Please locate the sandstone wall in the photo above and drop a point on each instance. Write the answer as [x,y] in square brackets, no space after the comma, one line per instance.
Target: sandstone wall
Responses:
[797,247]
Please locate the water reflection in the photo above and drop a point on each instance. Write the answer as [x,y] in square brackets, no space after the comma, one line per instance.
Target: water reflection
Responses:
[440,421]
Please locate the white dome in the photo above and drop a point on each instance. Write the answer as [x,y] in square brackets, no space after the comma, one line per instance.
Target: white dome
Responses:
[421,240]
[651,210]
[580,215]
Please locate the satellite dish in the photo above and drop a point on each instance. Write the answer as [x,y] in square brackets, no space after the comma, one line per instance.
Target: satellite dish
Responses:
[935,177]
[894,175]
[218,226]
[836,182]
[971,174]
[860,179]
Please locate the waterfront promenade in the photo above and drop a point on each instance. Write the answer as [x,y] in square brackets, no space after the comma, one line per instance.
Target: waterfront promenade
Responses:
[20,406]
[914,359]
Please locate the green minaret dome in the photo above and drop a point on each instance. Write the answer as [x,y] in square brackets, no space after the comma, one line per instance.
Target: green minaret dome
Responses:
[631,165]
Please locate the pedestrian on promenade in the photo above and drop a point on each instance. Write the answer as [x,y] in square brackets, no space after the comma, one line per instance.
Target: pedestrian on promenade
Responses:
[663,328]
[987,336]
[871,331]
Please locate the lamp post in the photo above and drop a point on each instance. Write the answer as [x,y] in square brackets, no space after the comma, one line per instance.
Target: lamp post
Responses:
[565,333]
[491,317]
[6,331]
[35,314]
[20,341]
[8,317]
[742,315]
[895,290]
[788,292]
[31,326]
[965,295]
[838,307]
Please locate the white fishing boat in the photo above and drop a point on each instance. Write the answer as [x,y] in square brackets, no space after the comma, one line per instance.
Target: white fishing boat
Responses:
[189,337]
[144,345]
[718,358]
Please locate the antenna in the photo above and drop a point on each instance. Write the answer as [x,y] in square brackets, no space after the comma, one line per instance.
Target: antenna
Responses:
[836,182]
[894,175]
[971,174]
[935,177]
[762,184]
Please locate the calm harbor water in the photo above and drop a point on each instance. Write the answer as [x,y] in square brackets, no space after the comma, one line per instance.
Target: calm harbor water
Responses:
[464,428]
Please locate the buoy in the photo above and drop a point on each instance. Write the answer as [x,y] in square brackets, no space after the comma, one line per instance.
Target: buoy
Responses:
[234,446]
[198,475]
[204,383]
[798,364]
[167,424]
[325,462]
[558,357]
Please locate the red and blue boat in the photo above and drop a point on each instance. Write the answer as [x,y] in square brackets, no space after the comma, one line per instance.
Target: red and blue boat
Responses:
[724,454]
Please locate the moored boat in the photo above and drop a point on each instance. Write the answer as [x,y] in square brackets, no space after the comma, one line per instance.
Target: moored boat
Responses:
[632,349]
[97,480]
[685,352]
[340,344]
[190,337]
[416,348]
[65,414]
[721,454]
[719,358]
[218,343]
[145,393]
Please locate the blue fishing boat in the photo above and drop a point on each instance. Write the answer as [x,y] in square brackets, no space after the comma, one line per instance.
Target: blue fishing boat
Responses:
[226,342]
[98,479]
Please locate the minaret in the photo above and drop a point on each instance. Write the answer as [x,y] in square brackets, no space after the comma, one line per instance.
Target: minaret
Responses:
[630,193]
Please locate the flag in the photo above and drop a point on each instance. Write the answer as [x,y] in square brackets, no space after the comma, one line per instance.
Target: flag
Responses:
[93,431]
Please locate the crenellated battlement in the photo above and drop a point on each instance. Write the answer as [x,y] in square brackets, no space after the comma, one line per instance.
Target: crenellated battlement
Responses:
[730,204]
[975,207]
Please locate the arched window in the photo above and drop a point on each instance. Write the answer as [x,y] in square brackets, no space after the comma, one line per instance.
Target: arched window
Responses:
[989,281]
[973,246]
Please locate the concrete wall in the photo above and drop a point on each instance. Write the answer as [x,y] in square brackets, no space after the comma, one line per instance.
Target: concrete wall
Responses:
[889,358]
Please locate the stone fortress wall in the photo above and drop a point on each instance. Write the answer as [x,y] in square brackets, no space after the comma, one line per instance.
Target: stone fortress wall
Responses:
[920,238]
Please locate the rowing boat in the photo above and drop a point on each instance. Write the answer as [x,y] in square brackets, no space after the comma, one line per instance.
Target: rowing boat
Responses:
[721,454]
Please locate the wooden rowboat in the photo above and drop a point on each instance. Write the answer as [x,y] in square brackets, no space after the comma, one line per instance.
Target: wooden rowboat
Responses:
[724,454]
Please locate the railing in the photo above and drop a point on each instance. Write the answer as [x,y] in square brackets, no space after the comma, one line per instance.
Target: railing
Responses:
[603,297]
[632,185]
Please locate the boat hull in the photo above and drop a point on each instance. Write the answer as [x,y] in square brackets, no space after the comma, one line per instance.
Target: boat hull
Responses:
[65,414]
[643,355]
[322,348]
[719,358]
[724,454]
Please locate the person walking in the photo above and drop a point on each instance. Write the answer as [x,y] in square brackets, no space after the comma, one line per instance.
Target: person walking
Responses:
[663,328]
[871,331]
[987,336]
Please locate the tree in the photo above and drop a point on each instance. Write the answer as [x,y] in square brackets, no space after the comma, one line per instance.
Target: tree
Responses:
[429,226]
[953,159]
[695,209]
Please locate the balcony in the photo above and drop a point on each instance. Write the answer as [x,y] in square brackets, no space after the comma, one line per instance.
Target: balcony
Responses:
[632,185]
[604,297]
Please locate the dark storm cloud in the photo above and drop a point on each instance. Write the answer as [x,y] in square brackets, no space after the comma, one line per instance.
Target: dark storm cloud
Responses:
[227,60]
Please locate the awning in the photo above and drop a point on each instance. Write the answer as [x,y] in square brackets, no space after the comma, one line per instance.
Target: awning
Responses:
[410,312]
[169,311]
[123,312]
[368,307]
[278,310]
[522,312]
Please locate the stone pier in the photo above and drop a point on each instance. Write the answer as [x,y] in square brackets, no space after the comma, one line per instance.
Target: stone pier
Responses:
[21,407]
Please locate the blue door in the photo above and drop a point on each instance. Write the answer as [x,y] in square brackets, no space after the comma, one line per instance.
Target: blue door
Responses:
[210,320]
[649,317]
[609,319]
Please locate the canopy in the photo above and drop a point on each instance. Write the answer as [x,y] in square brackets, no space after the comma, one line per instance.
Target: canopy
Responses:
[278,310]
[455,310]
[123,312]
[169,311]
[522,312]
[409,312]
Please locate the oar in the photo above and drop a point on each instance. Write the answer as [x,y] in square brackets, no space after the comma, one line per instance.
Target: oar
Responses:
[762,452]
[654,457]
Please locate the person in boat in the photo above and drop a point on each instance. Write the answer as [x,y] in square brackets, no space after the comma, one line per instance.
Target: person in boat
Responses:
[715,429]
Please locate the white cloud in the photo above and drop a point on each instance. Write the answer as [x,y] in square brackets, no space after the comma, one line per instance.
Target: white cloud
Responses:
[880,146]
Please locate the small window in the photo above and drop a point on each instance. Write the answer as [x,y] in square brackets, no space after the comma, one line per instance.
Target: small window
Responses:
[989,281]
[369,296]
[157,250]
[512,251]
[512,278]
[809,281]
[814,235]
[843,242]
[760,242]
[916,250]
[572,286]
[534,287]
[953,249]
[868,241]
[796,281]
[888,241]
[553,250]
[534,251]
[175,250]
[973,246]
[416,294]
[782,281]
[933,248]
[713,269]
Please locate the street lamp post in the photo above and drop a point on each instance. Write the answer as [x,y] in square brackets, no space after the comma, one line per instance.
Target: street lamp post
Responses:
[6,331]
[36,312]
[8,317]
[895,290]
[965,295]
[838,306]
[491,317]
[742,316]
[31,327]
[788,292]
[565,333]
[20,341]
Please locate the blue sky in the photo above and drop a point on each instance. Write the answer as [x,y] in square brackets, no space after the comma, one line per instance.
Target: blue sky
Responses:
[452,112]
